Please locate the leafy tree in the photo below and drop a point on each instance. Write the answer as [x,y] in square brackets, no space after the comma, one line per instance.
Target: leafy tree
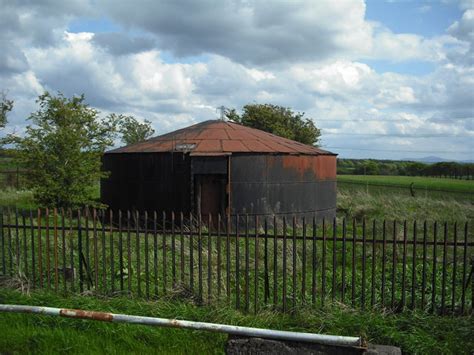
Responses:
[278,120]
[131,129]
[415,168]
[5,107]
[62,149]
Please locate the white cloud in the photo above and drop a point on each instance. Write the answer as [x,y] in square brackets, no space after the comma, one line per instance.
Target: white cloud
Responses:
[304,55]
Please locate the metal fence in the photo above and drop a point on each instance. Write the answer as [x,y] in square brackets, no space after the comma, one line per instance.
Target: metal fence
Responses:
[252,262]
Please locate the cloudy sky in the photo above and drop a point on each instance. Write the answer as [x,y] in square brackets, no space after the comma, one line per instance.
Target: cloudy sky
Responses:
[383,79]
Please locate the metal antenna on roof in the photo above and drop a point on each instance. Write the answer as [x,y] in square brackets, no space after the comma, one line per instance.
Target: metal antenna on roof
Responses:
[222,110]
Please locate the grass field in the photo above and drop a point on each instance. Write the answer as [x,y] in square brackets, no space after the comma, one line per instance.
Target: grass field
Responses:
[418,182]
[415,333]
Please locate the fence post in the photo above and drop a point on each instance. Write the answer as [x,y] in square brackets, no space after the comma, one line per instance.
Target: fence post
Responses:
[256,265]
[364,265]
[293,257]
[33,264]
[455,247]
[303,263]
[209,257]
[200,287]
[323,265]
[284,268]
[147,268]
[384,254]
[413,275]
[275,262]
[3,242]
[464,273]
[247,264]
[433,280]
[343,275]
[334,258]
[17,178]
[79,247]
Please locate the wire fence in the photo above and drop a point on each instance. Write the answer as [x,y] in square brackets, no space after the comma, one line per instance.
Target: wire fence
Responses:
[252,262]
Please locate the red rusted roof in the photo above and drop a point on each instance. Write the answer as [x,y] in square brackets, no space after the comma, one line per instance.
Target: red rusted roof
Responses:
[220,137]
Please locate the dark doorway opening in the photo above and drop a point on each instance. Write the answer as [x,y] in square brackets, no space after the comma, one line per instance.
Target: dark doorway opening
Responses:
[210,193]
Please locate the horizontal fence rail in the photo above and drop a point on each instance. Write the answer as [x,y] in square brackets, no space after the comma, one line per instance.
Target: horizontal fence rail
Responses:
[252,262]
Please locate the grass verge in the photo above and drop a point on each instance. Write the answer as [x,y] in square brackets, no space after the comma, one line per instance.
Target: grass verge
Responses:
[415,333]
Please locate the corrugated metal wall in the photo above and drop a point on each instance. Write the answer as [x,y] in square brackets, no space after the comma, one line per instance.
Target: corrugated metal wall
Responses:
[283,184]
[260,183]
[147,181]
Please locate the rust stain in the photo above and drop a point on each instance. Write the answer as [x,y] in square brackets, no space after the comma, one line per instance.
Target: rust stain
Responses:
[327,166]
[175,323]
[320,167]
[75,313]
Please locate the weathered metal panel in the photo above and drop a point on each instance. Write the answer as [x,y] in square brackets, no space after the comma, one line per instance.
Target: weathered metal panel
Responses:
[210,165]
[249,168]
[283,185]
[147,181]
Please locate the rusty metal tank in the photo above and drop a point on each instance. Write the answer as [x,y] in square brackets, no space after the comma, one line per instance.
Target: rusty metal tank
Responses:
[221,167]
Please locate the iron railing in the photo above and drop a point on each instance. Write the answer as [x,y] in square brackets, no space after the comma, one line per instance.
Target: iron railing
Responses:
[252,262]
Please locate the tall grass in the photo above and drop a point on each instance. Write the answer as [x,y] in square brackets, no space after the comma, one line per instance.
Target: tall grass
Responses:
[19,198]
[359,204]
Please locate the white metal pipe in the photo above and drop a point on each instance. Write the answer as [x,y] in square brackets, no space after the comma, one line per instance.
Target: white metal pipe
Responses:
[175,323]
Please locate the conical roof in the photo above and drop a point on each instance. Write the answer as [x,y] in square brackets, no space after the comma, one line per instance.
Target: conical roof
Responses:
[218,137]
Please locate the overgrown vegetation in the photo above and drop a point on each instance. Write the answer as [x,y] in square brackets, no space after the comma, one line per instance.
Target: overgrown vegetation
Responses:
[414,332]
[19,198]
[61,149]
[357,203]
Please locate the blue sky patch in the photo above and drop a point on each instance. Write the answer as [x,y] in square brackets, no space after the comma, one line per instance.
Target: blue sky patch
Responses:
[426,18]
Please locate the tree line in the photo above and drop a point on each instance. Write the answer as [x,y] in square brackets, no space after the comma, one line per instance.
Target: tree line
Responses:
[453,170]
